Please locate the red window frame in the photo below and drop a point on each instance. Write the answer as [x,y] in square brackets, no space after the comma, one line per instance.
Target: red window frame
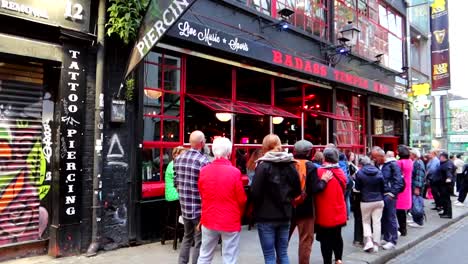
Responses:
[152,189]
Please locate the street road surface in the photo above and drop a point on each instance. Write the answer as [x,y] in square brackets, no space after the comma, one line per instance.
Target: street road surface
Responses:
[448,246]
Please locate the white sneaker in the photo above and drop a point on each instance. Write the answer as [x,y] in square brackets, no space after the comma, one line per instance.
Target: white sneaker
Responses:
[383,242]
[440,212]
[376,249]
[389,246]
[399,233]
[414,225]
[369,246]
[409,221]
[457,203]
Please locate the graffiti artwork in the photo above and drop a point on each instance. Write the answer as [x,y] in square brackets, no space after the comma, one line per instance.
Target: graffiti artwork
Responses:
[22,178]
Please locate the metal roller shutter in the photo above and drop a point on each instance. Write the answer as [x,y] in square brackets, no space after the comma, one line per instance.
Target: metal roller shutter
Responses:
[22,165]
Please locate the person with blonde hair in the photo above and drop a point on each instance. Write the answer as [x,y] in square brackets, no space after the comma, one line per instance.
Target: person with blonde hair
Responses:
[170,189]
[223,200]
[275,185]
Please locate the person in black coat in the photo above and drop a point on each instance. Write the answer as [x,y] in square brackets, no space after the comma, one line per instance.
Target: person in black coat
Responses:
[444,178]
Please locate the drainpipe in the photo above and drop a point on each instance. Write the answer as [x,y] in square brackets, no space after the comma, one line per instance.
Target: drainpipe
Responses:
[98,129]
[409,73]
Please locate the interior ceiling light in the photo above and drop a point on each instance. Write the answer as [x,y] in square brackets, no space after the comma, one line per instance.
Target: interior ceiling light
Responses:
[153,94]
[277,120]
[224,117]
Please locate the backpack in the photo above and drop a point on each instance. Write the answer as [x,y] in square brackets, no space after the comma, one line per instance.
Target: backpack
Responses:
[301,167]
[417,211]
[403,185]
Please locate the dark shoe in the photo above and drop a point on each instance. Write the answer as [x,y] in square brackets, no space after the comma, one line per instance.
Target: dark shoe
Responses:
[446,216]
[435,208]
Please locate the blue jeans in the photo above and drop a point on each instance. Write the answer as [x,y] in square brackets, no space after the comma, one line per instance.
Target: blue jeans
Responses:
[274,242]
[389,220]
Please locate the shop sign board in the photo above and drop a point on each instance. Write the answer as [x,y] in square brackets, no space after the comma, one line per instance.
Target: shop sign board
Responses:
[72,14]
[218,39]
[458,138]
[160,16]
[440,54]
[72,94]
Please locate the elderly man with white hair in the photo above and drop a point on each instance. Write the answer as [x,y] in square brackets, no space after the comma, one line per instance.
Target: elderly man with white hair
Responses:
[223,201]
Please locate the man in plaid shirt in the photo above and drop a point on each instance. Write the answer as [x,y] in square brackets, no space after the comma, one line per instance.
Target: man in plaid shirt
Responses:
[187,170]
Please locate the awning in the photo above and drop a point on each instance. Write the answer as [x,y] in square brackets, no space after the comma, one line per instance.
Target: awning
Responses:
[331,115]
[270,110]
[222,105]
[226,105]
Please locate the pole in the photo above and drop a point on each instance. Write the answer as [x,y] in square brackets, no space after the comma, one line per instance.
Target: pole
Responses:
[98,129]
[409,74]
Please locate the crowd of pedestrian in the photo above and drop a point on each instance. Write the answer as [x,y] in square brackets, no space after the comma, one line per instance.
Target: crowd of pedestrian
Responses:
[311,191]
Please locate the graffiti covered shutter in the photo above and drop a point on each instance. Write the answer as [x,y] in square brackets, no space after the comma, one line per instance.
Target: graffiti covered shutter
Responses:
[22,164]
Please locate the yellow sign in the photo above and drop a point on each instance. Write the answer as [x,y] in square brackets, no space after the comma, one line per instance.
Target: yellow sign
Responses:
[421,89]
[441,68]
[439,35]
[438,6]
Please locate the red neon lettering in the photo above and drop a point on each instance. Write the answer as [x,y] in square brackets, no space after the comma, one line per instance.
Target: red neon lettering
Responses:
[337,75]
[299,63]
[288,60]
[323,71]
[349,78]
[308,67]
[316,68]
[277,57]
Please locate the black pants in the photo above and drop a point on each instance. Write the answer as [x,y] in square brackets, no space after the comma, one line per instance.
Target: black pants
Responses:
[463,191]
[330,242]
[459,181]
[401,216]
[435,189]
[356,207]
[445,198]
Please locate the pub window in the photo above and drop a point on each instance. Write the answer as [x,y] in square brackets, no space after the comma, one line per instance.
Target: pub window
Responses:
[316,121]
[288,97]
[252,87]
[161,119]
[350,128]
[209,91]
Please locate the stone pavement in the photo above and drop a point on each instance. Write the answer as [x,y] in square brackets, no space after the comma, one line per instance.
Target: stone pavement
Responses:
[251,252]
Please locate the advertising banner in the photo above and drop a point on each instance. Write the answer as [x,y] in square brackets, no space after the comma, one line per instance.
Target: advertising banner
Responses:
[440,54]
[159,17]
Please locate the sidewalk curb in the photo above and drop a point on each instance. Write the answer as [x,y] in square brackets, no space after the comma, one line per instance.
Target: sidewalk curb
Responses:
[400,250]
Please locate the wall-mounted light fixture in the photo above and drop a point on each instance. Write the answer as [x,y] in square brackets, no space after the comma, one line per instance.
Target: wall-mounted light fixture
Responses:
[285,14]
[277,120]
[223,117]
[349,35]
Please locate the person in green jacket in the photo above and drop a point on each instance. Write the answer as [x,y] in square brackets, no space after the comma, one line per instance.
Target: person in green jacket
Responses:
[171,191]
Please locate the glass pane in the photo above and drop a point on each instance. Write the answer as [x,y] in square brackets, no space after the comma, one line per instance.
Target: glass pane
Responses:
[171,79]
[217,85]
[152,102]
[199,117]
[152,129]
[171,130]
[171,61]
[253,86]
[289,130]
[383,20]
[152,75]
[171,104]
[251,129]
[151,164]
[395,52]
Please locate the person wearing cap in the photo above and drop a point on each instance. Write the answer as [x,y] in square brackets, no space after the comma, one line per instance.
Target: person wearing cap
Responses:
[330,207]
[303,205]
[444,181]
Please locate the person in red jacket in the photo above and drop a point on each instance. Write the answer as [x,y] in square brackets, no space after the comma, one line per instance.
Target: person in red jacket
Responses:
[223,200]
[330,207]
